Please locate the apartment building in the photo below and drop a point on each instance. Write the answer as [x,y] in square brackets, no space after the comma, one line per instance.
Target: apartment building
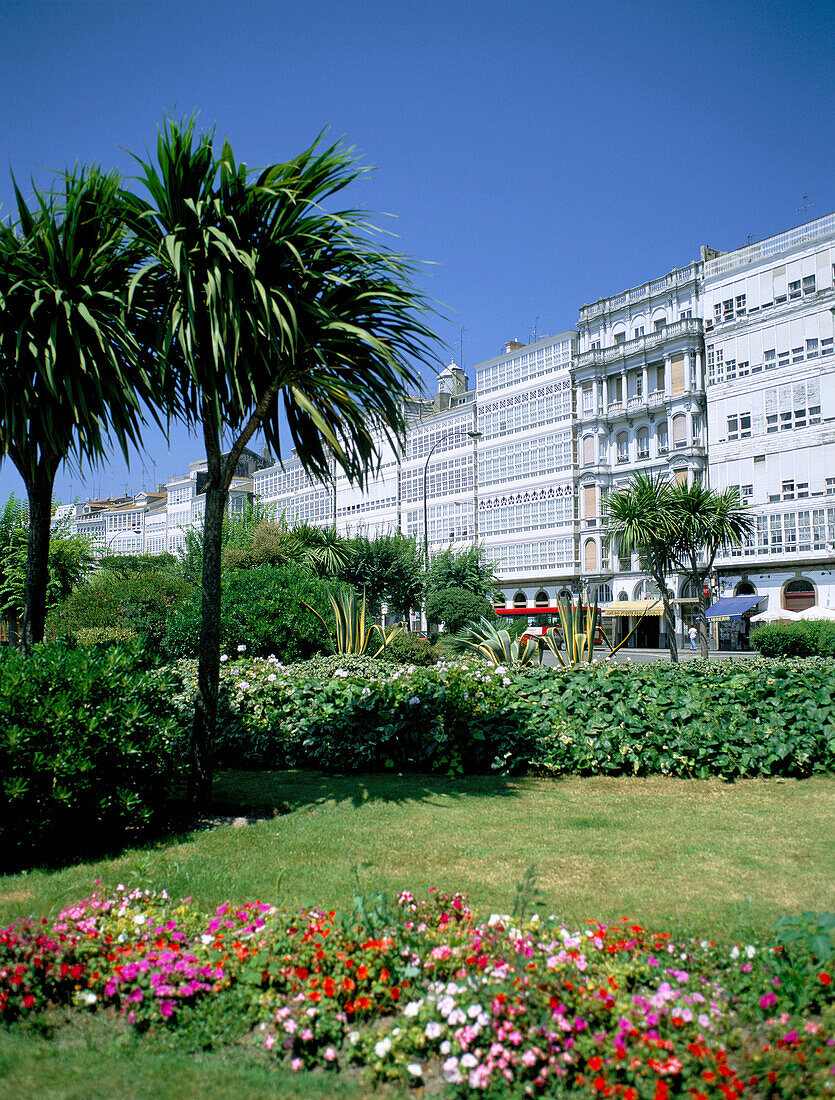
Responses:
[720,371]
[768,311]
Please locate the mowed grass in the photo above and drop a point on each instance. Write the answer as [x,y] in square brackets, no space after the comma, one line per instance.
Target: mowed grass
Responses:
[697,857]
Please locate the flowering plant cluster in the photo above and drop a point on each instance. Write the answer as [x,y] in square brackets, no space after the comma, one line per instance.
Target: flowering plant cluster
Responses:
[428,992]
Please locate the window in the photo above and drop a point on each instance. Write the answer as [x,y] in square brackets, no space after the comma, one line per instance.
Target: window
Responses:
[740,305]
[623,447]
[788,490]
[808,284]
[595,345]
[811,349]
[730,370]
[746,493]
[794,290]
[743,369]
[826,345]
[643,443]
[739,426]
[782,358]
[588,450]
[802,490]
[639,384]
[587,399]
[639,331]
[590,556]
[797,355]
[677,373]
[728,310]
[717,312]
[685,313]
[680,477]
[661,436]
[679,431]
[620,337]
[711,365]
[660,324]
[589,502]
[770,358]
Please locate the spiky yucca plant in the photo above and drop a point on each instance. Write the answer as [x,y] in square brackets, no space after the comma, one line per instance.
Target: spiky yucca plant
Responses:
[351,634]
[499,646]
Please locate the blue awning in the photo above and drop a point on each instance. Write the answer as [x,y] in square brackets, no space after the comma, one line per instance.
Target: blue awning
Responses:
[731,607]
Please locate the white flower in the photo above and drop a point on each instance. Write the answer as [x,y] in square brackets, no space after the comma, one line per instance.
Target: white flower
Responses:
[241,649]
[140,918]
[734,952]
[469,1061]
[446,1045]
[473,1011]
[415,1069]
[223,657]
[750,951]
[353,1036]
[414,699]
[87,997]
[433,1031]
[244,685]
[382,1048]
[206,939]
[271,678]
[412,1008]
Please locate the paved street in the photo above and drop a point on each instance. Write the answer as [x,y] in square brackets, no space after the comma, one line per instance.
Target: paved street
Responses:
[647,656]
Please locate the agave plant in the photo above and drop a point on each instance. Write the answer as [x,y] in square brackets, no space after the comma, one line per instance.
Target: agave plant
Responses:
[499,646]
[579,627]
[351,634]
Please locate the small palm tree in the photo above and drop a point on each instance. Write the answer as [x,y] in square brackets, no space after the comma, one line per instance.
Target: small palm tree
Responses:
[70,367]
[267,300]
[706,521]
[640,518]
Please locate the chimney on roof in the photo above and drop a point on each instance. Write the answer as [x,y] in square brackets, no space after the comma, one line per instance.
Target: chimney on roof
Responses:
[512,345]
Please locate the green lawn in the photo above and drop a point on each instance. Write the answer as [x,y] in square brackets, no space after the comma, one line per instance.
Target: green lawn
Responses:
[691,856]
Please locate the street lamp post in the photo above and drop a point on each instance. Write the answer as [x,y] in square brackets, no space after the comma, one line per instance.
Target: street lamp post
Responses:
[441,439]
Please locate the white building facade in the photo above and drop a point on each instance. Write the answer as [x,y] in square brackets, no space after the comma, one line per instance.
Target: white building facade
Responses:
[771,410]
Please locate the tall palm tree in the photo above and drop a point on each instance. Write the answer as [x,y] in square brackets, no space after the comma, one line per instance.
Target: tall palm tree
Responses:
[70,368]
[640,518]
[263,291]
[706,521]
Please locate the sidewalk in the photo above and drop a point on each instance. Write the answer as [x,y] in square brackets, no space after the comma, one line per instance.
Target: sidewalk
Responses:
[647,656]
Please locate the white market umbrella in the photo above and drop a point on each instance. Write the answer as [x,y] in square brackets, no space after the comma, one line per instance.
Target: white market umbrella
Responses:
[817,612]
[776,615]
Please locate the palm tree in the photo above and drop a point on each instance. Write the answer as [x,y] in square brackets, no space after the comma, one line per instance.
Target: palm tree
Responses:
[640,518]
[263,291]
[706,521]
[70,370]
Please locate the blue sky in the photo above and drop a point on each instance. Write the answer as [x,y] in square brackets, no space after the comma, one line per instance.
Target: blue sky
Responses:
[537,155]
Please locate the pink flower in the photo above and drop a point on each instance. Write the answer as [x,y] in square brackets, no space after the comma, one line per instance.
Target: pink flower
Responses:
[296,1064]
[329,1054]
[767,1000]
[269,1042]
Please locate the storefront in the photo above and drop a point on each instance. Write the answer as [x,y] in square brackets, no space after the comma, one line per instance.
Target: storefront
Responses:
[732,614]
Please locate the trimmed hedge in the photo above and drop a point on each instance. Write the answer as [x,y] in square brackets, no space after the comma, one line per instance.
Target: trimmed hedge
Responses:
[84,749]
[695,720]
[803,639]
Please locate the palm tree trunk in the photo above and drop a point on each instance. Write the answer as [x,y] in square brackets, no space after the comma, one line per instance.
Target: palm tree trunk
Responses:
[703,628]
[201,763]
[39,491]
[670,617]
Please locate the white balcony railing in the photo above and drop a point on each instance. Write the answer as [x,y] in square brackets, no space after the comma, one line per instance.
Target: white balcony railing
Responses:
[598,357]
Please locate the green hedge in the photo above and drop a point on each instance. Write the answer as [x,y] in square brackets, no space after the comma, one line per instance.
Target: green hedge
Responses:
[84,749]
[701,718]
[697,719]
[803,639]
[261,608]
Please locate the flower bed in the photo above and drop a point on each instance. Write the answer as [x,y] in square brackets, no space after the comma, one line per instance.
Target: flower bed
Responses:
[428,993]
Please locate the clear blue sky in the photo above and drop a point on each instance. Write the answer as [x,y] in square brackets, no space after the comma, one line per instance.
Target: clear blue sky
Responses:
[540,155]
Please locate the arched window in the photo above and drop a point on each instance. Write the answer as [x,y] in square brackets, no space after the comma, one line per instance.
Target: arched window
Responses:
[499,602]
[679,431]
[623,446]
[589,501]
[604,594]
[661,437]
[541,599]
[623,596]
[798,595]
[588,450]
[745,588]
[590,556]
[642,436]
[520,600]
[680,477]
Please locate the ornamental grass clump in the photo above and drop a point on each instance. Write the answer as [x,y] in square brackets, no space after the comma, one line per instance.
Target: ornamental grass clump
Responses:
[428,991]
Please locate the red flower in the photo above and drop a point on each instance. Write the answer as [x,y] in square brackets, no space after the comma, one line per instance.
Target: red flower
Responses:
[825,978]
[595,1063]
[599,1084]
[629,1093]
[384,975]
[362,972]
[329,987]
[348,984]
[394,993]
[28,1001]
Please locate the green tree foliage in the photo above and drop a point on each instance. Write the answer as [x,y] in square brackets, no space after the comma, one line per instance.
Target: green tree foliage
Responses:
[263,289]
[706,521]
[466,569]
[70,560]
[114,605]
[262,609]
[640,519]
[125,564]
[388,569]
[70,367]
[457,608]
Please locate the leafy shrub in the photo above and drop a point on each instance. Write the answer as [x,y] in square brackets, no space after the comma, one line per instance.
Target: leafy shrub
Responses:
[802,639]
[702,718]
[457,608]
[261,608]
[116,604]
[84,748]
[410,649]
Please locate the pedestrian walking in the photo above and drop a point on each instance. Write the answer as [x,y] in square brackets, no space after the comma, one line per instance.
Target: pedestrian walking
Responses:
[692,634]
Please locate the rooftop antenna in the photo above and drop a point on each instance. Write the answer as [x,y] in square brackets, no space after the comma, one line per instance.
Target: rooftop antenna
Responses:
[461,347]
[806,205]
